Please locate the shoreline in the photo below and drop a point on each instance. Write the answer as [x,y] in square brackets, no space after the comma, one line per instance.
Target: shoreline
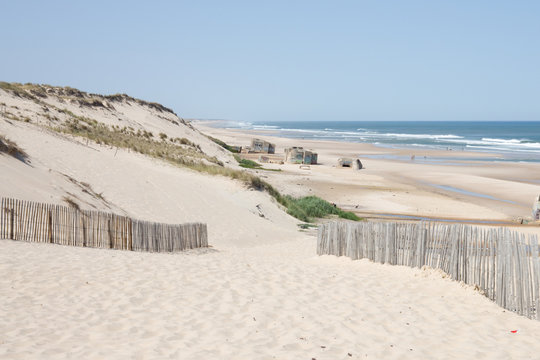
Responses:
[462,188]
[369,148]
[455,141]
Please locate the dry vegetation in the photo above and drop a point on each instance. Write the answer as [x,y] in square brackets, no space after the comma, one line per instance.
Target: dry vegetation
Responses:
[176,150]
[36,92]
[71,203]
[12,149]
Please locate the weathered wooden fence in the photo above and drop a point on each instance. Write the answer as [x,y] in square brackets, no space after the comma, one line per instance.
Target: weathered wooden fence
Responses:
[504,264]
[36,222]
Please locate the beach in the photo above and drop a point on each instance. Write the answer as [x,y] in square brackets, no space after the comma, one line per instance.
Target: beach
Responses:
[304,180]
[391,184]
[259,291]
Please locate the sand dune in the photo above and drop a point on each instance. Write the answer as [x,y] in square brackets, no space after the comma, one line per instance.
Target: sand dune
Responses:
[119,180]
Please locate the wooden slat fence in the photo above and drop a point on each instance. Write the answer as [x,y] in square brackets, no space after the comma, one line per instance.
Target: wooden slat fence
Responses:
[504,264]
[37,222]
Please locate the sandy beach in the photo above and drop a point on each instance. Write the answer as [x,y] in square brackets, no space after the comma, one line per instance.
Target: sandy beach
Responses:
[461,189]
[259,291]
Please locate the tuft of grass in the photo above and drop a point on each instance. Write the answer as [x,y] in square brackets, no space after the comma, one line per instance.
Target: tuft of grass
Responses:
[309,207]
[248,164]
[71,202]
[305,226]
[224,145]
[12,149]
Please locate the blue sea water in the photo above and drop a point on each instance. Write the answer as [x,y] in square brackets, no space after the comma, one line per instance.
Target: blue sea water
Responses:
[515,140]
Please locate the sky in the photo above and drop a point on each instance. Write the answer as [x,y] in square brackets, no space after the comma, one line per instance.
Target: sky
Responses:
[259,61]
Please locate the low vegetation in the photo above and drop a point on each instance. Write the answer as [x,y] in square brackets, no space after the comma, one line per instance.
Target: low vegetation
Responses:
[12,149]
[221,143]
[309,207]
[176,150]
[27,91]
[246,163]
[36,91]
[250,164]
[71,202]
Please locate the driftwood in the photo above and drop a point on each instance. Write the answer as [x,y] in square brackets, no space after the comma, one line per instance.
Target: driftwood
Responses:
[55,224]
[503,264]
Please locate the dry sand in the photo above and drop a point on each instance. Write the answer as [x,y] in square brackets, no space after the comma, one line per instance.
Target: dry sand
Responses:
[266,302]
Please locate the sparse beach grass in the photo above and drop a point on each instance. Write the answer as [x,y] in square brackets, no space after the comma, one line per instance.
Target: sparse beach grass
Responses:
[36,91]
[12,149]
[224,145]
[176,150]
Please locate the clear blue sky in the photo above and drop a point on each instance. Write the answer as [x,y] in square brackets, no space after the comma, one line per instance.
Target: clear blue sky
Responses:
[287,60]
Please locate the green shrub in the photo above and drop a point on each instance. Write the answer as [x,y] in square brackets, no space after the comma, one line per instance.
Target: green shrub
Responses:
[224,145]
[309,207]
[248,164]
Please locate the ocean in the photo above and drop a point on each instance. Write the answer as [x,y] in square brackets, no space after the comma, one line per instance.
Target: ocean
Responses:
[513,140]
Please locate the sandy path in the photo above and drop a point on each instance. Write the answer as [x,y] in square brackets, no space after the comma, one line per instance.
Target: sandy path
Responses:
[266,302]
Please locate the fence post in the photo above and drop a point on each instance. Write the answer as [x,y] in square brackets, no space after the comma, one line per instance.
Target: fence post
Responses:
[130,234]
[11,223]
[50,226]
[83,221]
[110,233]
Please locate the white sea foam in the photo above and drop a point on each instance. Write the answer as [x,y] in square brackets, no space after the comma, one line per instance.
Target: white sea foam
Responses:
[503,141]
[423,136]
[265,127]
[504,148]
[423,140]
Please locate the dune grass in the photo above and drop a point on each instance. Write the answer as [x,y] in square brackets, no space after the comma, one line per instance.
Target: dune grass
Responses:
[248,164]
[176,150]
[309,207]
[12,149]
[224,145]
[28,91]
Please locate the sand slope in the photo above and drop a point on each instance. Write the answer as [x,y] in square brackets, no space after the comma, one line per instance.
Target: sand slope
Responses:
[115,179]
